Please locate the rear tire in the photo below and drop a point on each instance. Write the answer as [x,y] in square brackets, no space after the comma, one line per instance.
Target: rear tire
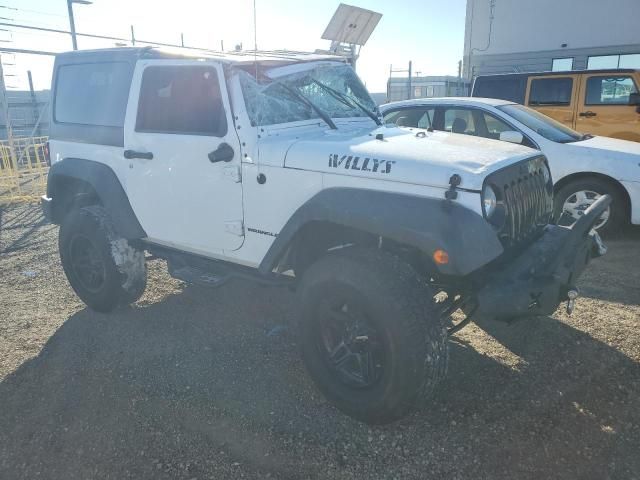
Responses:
[569,196]
[369,311]
[103,269]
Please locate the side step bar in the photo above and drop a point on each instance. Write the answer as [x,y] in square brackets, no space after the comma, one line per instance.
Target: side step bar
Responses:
[209,272]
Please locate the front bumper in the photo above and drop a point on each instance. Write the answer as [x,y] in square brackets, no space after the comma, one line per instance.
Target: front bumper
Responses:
[539,279]
[47,207]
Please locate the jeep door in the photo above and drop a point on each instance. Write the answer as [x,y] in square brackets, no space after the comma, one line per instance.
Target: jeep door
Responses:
[603,106]
[183,156]
[555,96]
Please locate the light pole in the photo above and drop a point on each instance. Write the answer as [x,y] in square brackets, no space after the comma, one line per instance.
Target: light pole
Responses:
[72,23]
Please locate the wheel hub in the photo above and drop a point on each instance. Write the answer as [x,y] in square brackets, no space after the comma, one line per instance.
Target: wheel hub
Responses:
[577,203]
[350,345]
[87,264]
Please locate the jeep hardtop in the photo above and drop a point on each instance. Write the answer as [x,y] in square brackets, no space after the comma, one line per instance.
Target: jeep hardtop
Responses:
[276,167]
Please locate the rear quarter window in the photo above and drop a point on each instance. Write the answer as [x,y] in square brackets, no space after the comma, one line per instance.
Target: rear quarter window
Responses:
[504,88]
[92,93]
[551,91]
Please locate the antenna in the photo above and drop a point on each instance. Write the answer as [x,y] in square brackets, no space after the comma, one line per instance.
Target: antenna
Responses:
[350,26]
[255,38]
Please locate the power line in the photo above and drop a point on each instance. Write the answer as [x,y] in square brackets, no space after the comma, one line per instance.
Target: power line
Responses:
[101,37]
[38,12]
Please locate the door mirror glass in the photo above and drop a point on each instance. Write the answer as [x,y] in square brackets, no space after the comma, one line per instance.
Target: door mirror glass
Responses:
[634,99]
[511,137]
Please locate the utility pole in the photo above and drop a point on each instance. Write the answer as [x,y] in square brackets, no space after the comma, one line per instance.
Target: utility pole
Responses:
[182,39]
[410,95]
[7,119]
[133,36]
[34,104]
[72,23]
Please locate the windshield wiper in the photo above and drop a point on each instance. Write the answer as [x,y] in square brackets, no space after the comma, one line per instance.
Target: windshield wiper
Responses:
[348,101]
[309,103]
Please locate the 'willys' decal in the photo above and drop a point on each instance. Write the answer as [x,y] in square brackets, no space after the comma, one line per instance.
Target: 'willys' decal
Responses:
[349,162]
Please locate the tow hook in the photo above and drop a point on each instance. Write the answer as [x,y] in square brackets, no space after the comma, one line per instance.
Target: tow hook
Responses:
[601,248]
[572,294]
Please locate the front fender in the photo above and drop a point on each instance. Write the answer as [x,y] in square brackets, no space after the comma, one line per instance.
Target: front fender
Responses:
[427,224]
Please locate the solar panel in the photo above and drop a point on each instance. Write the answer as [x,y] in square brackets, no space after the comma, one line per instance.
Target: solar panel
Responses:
[352,25]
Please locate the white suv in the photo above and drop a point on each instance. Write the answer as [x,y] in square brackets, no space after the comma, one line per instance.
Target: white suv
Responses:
[276,167]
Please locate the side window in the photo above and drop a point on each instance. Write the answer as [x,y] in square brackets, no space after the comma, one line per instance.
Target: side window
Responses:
[495,126]
[459,120]
[411,117]
[181,100]
[92,93]
[509,87]
[609,90]
[551,91]
[426,120]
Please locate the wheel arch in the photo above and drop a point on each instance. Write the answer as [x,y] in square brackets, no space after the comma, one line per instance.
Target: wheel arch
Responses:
[412,223]
[616,184]
[78,182]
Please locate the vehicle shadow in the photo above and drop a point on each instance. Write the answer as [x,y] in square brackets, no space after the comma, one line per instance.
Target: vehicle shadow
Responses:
[205,384]
[616,276]
[24,218]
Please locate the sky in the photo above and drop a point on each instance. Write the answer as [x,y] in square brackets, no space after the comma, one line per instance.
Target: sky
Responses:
[428,32]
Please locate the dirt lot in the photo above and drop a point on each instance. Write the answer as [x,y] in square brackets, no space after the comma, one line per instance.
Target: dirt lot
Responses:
[193,383]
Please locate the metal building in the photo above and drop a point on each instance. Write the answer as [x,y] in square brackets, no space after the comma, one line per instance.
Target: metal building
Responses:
[507,36]
[27,113]
[401,88]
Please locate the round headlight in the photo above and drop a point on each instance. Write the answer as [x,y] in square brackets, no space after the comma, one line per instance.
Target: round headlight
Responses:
[489,200]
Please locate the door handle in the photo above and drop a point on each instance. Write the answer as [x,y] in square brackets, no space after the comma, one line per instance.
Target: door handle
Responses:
[588,113]
[224,153]
[129,154]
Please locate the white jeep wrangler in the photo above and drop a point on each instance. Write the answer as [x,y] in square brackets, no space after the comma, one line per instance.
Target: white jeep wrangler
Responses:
[276,167]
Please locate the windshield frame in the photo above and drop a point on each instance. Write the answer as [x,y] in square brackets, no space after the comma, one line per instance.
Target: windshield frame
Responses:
[554,131]
[258,97]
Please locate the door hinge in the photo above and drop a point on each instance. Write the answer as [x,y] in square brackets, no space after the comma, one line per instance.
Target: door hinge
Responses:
[233,173]
[235,228]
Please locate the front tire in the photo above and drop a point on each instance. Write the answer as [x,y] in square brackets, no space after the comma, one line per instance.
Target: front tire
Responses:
[103,269]
[370,335]
[575,197]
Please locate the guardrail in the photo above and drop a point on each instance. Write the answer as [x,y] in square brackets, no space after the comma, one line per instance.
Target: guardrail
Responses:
[23,169]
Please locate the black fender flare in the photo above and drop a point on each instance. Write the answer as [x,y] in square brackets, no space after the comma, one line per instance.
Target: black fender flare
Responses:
[104,182]
[425,223]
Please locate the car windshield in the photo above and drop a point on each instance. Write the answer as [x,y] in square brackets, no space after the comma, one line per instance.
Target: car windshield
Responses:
[541,124]
[271,100]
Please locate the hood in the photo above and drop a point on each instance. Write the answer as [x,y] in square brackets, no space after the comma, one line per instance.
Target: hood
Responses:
[404,155]
[612,145]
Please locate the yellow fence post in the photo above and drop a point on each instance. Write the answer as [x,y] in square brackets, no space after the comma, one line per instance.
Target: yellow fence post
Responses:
[23,173]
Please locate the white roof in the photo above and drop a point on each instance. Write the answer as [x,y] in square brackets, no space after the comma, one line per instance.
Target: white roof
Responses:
[270,58]
[473,101]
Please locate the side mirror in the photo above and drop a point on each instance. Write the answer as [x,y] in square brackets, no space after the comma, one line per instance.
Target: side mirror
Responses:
[634,99]
[511,137]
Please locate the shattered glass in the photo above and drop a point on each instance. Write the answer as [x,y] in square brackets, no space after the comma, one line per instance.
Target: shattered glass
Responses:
[269,102]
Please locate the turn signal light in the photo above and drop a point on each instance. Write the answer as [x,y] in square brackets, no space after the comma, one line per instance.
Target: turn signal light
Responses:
[440,257]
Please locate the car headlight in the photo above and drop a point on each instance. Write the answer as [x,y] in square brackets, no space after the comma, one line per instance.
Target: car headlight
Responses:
[489,201]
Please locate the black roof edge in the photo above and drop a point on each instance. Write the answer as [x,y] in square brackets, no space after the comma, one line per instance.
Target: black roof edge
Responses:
[568,72]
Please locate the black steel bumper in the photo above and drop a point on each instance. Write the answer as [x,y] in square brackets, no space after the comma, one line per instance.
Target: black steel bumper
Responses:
[539,279]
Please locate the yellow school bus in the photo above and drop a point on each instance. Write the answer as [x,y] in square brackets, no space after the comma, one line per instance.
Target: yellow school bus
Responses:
[600,102]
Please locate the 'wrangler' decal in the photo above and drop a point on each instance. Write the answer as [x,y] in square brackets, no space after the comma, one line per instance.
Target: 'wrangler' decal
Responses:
[349,162]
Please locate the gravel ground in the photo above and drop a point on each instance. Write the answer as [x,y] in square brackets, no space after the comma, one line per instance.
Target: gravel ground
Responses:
[195,383]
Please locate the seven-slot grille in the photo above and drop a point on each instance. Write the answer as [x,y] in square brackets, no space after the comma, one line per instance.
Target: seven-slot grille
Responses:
[527,199]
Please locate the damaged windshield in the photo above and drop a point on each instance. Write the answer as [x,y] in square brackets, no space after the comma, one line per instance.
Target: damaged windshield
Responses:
[333,90]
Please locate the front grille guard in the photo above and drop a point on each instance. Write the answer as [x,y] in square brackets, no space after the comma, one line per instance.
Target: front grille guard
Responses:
[527,200]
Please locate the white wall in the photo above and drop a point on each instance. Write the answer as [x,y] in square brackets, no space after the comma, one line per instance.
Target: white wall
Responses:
[535,25]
